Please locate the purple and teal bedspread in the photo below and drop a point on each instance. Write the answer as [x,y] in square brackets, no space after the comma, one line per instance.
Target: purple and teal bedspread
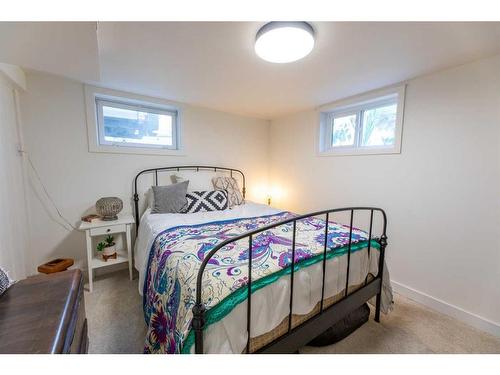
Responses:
[177,253]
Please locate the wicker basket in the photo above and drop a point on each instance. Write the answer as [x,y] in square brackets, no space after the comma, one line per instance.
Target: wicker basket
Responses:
[109,207]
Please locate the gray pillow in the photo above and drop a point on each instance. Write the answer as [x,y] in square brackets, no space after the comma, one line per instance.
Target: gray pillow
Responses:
[169,199]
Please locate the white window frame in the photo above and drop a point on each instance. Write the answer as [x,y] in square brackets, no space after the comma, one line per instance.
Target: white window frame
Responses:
[357,105]
[95,97]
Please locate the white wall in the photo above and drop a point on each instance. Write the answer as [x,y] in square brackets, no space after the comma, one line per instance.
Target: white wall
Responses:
[441,194]
[14,231]
[56,138]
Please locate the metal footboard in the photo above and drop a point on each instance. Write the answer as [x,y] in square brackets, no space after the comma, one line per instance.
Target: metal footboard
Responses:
[296,337]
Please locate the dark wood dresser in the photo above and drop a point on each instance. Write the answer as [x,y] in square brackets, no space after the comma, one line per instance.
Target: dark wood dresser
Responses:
[44,314]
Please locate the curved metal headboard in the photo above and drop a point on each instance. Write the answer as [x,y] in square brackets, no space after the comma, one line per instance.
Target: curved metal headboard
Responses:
[178,168]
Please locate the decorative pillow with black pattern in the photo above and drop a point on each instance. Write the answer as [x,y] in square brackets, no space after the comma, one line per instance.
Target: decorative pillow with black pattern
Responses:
[233,190]
[203,201]
[5,281]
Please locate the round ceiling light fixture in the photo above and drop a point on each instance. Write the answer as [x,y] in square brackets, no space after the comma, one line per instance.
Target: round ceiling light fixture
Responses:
[283,42]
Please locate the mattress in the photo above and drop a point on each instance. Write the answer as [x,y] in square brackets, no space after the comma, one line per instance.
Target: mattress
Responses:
[270,304]
[152,224]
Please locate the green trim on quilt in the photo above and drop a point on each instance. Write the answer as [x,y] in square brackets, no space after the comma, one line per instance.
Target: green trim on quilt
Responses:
[227,304]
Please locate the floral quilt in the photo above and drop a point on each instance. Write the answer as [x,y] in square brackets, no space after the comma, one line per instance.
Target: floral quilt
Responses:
[177,253]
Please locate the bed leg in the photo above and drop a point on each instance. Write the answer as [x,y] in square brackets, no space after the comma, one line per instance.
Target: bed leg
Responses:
[383,244]
[198,323]
[377,307]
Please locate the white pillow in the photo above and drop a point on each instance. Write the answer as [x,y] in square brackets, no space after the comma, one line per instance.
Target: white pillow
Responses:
[198,181]
[150,198]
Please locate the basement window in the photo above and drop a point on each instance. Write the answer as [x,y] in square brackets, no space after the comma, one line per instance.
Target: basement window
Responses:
[368,124]
[131,125]
[127,123]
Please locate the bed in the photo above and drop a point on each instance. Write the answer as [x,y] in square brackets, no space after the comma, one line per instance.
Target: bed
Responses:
[205,292]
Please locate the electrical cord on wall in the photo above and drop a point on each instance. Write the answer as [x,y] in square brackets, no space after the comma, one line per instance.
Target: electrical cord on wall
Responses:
[35,172]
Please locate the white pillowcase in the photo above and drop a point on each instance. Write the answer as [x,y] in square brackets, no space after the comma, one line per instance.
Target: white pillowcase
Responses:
[198,181]
[150,198]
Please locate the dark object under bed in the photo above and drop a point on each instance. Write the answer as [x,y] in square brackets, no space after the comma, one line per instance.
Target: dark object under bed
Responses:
[343,328]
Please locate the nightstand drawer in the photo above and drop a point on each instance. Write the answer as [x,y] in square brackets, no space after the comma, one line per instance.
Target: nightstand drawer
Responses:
[108,230]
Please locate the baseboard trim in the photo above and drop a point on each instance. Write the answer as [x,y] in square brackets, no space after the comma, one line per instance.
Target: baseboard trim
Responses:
[456,312]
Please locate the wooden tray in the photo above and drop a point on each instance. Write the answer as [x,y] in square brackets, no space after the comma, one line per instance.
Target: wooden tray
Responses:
[56,265]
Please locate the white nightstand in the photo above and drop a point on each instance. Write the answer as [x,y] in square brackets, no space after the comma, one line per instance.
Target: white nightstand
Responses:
[103,228]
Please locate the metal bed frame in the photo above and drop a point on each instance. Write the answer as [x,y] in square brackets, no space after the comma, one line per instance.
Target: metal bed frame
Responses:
[298,336]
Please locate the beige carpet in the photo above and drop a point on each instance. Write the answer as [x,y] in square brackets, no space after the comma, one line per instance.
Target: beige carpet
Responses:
[116,325]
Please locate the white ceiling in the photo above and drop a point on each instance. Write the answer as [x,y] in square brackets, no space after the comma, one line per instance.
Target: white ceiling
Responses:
[64,48]
[213,64]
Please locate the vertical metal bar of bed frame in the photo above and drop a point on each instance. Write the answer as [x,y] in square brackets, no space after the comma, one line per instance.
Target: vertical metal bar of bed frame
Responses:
[349,255]
[198,323]
[327,219]
[383,244]
[136,209]
[156,177]
[369,245]
[249,304]
[292,276]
